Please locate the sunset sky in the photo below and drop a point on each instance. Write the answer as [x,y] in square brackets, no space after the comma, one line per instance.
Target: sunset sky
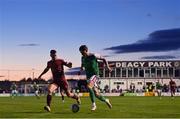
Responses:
[116,29]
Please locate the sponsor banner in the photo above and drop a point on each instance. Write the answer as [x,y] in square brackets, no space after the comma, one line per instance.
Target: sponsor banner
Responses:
[9,94]
[149,94]
[111,94]
[58,94]
[85,94]
[5,95]
[29,94]
[104,94]
[169,94]
[133,94]
[130,94]
[140,94]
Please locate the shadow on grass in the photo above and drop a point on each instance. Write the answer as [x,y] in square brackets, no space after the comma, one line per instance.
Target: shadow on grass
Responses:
[32,112]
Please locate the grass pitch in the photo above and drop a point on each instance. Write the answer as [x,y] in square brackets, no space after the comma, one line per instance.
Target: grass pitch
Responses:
[123,107]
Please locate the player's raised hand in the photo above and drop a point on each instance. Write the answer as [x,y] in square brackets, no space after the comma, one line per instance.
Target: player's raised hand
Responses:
[109,69]
[69,64]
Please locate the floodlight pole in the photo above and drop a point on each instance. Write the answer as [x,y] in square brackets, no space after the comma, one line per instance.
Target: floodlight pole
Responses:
[8,74]
[33,73]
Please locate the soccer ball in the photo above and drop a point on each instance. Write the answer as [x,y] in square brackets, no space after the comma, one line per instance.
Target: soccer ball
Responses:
[75,108]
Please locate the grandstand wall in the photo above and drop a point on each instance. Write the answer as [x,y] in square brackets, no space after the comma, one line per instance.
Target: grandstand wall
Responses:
[139,74]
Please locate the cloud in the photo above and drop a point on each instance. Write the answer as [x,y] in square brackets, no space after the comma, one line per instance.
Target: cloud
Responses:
[71,73]
[149,15]
[159,57]
[158,41]
[74,73]
[107,55]
[75,69]
[30,44]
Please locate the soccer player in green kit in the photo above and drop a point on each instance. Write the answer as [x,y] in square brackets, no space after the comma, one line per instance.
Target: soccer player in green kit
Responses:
[36,89]
[14,90]
[90,64]
[159,88]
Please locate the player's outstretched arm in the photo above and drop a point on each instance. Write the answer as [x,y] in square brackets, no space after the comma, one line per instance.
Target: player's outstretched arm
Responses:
[105,62]
[45,71]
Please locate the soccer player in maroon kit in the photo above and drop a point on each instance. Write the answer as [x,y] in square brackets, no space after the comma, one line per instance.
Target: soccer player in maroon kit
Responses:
[172,85]
[57,69]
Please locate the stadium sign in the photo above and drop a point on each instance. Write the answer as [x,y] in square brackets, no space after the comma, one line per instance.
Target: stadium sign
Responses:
[125,64]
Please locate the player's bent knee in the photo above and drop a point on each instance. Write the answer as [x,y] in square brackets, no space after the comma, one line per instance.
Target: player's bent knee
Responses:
[97,94]
[68,94]
[89,87]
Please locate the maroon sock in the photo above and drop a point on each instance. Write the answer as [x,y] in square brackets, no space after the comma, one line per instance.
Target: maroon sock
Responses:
[62,97]
[49,97]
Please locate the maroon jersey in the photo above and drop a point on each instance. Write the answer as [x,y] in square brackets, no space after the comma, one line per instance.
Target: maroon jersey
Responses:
[57,68]
[172,84]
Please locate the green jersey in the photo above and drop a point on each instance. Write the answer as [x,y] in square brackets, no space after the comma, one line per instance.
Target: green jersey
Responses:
[90,64]
[158,85]
[36,87]
[13,87]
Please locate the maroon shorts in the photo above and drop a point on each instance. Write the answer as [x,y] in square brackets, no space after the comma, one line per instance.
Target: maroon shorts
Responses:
[62,83]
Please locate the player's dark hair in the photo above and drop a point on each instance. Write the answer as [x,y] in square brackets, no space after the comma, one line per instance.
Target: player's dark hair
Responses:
[53,51]
[83,47]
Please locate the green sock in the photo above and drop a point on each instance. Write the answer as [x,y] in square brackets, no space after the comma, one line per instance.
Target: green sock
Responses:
[100,97]
[92,95]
